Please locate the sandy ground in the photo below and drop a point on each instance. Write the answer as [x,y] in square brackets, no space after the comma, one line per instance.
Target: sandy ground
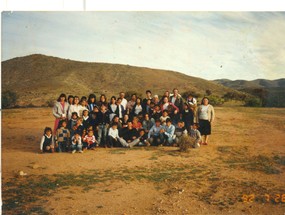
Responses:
[245,157]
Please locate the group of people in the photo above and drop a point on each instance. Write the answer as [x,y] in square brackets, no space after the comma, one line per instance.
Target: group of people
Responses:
[85,123]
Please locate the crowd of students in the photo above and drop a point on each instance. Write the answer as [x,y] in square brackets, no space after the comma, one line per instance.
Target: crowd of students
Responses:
[84,123]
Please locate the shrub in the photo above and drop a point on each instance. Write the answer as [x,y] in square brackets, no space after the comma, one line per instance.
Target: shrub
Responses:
[253,102]
[9,99]
[50,103]
[193,93]
[215,100]
[185,143]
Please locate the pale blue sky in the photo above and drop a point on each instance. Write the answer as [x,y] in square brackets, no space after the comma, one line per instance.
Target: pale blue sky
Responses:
[210,45]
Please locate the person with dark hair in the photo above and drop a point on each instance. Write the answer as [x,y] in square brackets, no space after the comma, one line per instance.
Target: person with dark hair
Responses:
[121,110]
[62,137]
[147,123]
[180,131]
[187,116]
[156,113]
[168,132]
[155,137]
[113,108]
[103,120]
[113,135]
[137,107]
[76,143]
[144,102]
[129,136]
[86,119]
[102,101]
[91,102]
[47,144]
[165,103]
[205,117]
[117,120]
[70,99]
[75,107]
[196,135]
[60,110]
[83,105]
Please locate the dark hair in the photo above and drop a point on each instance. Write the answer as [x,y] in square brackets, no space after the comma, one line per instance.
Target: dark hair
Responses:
[85,111]
[168,120]
[113,97]
[114,123]
[61,95]
[74,113]
[83,98]
[148,91]
[70,96]
[157,120]
[103,95]
[164,98]
[205,97]
[164,111]
[75,97]
[196,124]
[90,97]
[47,129]
[130,121]
[141,130]
[174,89]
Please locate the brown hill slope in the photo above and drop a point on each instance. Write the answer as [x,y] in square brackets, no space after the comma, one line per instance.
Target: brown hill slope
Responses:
[38,78]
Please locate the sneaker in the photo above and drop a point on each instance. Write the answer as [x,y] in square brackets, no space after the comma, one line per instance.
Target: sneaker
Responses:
[73,151]
[80,151]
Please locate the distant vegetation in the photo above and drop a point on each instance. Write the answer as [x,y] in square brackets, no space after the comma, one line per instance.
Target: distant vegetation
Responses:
[9,99]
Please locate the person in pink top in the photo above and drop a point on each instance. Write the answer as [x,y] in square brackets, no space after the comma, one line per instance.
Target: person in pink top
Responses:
[165,103]
[60,110]
[90,140]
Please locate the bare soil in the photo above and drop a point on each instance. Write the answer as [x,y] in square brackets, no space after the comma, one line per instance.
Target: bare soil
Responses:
[241,171]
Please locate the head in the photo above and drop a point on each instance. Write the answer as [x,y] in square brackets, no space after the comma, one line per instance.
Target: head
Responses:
[91,98]
[119,101]
[122,95]
[103,108]
[205,101]
[83,101]
[134,97]
[165,99]
[155,99]
[180,124]
[115,125]
[130,124]
[151,104]
[135,119]
[62,123]
[190,96]
[146,116]
[103,98]
[74,115]
[185,106]
[175,92]
[85,113]
[148,93]
[138,101]
[166,93]
[90,127]
[195,126]
[168,122]
[90,133]
[126,117]
[113,100]
[76,100]
[141,132]
[165,113]
[47,131]
[77,135]
[70,99]
[157,123]
[156,108]
[79,121]
[95,109]
[61,98]
[148,102]
[116,119]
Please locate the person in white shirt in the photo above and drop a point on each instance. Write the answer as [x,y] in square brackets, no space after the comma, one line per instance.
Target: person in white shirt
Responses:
[113,135]
[124,101]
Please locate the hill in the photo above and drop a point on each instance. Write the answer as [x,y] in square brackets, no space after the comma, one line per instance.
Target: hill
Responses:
[38,78]
[258,83]
[271,92]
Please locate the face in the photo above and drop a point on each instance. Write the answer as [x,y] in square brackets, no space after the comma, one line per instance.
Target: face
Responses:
[165,100]
[116,119]
[130,125]
[103,108]
[63,124]
[126,117]
[102,99]
[79,121]
[148,94]
[70,100]
[141,132]
[76,136]
[205,101]
[164,114]
[185,107]
[156,108]
[166,93]
[168,123]
[62,99]
[90,133]
[119,101]
[74,116]
[148,102]
[175,92]
[114,127]
[134,97]
[157,124]
[95,109]
[76,101]
[85,113]
[92,100]
[113,100]
[146,116]
[83,103]
[138,101]
[48,133]
[122,95]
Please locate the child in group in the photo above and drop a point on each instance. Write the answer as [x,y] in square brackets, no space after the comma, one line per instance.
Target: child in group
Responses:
[76,143]
[113,135]
[62,137]
[47,143]
[180,131]
[78,127]
[72,122]
[86,119]
[164,117]
[143,138]
[90,140]
[156,114]
[195,133]
[187,116]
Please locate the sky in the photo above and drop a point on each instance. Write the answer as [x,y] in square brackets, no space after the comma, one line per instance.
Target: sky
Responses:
[210,45]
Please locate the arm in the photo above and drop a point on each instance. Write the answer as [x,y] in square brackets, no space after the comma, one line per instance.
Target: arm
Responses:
[212,114]
[42,143]
[54,111]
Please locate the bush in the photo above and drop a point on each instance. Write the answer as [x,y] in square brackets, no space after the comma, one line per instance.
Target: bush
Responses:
[215,100]
[50,103]
[253,102]
[9,99]
[193,93]
[185,143]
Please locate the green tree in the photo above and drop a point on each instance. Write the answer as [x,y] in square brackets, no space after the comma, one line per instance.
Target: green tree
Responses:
[9,99]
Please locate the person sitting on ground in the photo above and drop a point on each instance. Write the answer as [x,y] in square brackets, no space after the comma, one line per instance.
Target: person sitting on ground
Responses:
[143,138]
[168,132]
[147,123]
[180,131]
[129,136]
[90,140]
[76,143]
[78,127]
[118,122]
[113,135]
[136,123]
[62,137]
[195,133]
[155,137]
[47,143]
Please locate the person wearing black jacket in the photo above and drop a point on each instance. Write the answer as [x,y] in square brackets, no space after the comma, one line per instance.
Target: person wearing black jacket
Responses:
[144,102]
[129,136]
[103,124]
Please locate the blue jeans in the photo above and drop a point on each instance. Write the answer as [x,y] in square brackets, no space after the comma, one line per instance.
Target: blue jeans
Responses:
[102,134]
[76,147]
[62,147]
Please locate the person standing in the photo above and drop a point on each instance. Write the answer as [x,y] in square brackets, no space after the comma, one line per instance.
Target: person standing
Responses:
[60,110]
[206,116]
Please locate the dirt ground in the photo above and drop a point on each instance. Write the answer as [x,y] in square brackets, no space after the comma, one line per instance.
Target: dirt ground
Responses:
[241,171]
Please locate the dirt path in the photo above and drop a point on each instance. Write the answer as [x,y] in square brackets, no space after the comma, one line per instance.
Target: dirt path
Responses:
[246,155]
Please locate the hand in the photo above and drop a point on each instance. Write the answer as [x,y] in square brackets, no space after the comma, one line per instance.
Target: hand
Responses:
[175,112]
[134,137]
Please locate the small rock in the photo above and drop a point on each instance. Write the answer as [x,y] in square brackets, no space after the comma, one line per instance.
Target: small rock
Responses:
[22,173]
[36,166]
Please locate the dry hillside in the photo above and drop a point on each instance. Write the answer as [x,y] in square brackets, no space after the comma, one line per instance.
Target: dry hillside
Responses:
[38,78]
